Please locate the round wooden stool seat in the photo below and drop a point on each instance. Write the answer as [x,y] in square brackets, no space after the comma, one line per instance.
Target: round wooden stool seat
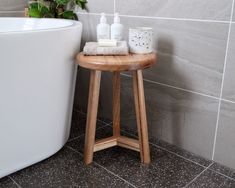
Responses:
[134,63]
[117,63]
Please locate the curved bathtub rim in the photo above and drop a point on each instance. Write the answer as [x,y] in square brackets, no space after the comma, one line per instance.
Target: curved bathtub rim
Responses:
[73,25]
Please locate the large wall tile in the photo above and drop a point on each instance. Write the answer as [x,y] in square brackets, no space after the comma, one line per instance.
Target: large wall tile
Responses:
[12,14]
[225,143]
[13,5]
[189,9]
[81,90]
[190,54]
[229,81]
[98,6]
[234,13]
[184,119]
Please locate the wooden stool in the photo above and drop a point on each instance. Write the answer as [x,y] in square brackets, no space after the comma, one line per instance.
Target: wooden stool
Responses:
[116,64]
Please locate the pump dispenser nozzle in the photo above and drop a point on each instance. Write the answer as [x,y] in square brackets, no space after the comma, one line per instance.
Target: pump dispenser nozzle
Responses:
[116,18]
[103,18]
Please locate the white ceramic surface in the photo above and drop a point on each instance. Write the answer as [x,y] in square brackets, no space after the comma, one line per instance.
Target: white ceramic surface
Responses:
[141,40]
[37,80]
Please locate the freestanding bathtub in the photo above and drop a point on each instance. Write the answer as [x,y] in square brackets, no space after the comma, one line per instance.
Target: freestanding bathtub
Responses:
[37,80]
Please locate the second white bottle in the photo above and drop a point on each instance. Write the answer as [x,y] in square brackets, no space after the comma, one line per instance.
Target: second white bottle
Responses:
[117,29]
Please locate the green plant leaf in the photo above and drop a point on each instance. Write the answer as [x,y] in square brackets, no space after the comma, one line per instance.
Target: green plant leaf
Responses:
[34,5]
[55,8]
[81,3]
[34,12]
[62,2]
[44,10]
[69,15]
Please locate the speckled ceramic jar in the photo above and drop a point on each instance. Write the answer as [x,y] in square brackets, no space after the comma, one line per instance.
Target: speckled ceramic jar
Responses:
[141,40]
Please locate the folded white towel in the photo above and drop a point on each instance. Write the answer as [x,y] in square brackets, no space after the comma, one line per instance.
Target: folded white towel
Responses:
[92,48]
[107,43]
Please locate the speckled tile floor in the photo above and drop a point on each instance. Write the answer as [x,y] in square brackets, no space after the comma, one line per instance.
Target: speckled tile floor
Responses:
[118,167]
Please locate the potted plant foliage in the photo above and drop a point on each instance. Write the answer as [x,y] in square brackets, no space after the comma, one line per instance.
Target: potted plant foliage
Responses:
[55,8]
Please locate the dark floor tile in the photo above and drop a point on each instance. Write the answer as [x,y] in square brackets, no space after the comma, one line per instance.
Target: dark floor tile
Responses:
[105,120]
[66,169]
[77,128]
[6,182]
[78,125]
[77,116]
[223,170]
[186,154]
[210,179]
[78,143]
[100,118]
[165,170]
[172,148]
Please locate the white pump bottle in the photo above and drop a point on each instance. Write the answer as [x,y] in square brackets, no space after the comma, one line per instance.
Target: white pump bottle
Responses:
[103,28]
[117,29]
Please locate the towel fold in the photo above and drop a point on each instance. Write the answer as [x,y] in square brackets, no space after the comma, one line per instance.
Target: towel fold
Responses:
[92,48]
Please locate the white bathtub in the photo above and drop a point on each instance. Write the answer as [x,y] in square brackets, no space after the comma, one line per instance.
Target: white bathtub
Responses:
[37,80]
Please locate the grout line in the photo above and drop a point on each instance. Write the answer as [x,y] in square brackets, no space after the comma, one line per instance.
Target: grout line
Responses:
[18,185]
[76,110]
[93,14]
[103,168]
[222,83]
[182,89]
[115,175]
[83,113]
[225,100]
[104,122]
[83,134]
[160,18]
[155,145]
[233,179]
[176,19]
[177,154]
[197,176]
[174,87]
[69,147]
[76,137]
[114,6]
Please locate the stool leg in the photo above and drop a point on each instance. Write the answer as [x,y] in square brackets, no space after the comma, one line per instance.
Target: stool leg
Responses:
[116,104]
[140,108]
[93,101]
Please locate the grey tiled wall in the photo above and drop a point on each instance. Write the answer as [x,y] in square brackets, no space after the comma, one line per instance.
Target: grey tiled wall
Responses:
[12,8]
[229,82]
[190,93]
